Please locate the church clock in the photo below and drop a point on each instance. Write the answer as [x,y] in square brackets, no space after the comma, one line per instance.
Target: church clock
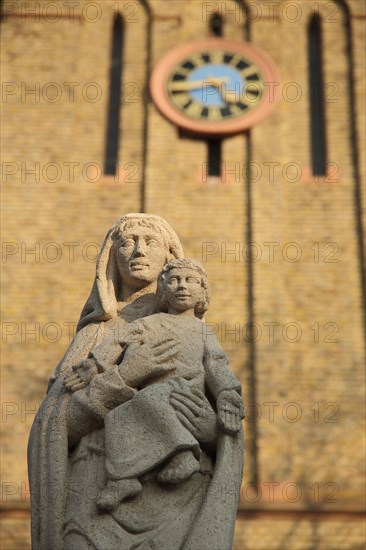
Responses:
[215,86]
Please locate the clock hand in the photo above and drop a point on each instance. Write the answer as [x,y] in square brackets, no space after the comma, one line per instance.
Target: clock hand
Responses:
[253,92]
[196,84]
[227,97]
[232,96]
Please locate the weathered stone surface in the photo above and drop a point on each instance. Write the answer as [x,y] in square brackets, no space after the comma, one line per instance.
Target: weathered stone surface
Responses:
[142,421]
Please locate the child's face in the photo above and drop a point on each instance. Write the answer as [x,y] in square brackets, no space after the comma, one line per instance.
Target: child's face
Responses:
[183,289]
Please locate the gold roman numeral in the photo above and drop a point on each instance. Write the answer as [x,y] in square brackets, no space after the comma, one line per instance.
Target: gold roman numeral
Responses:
[253,93]
[194,110]
[248,102]
[214,114]
[235,110]
[252,69]
[253,87]
[250,98]
[180,99]
[197,59]
[182,71]
[235,60]
[217,57]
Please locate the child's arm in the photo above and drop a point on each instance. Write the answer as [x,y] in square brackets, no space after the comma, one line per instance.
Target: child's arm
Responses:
[217,373]
[230,411]
[222,383]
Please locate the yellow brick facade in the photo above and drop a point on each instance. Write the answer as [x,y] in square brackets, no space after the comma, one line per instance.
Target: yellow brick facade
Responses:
[300,290]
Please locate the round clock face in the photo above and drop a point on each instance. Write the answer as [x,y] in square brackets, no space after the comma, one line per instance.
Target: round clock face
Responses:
[215,86]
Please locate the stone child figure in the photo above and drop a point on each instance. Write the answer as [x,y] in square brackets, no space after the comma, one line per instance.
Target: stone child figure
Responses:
[182,299]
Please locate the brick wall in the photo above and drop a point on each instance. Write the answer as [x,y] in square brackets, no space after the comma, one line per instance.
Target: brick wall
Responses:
[57,206]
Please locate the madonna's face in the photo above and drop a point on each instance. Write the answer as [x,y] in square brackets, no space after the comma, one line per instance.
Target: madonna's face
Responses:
[141,256]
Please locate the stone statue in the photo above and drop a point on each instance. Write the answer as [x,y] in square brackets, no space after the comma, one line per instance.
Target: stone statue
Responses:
[138,443]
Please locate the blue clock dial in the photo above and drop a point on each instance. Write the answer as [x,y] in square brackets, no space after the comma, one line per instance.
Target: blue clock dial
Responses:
[232,82]
[215,85]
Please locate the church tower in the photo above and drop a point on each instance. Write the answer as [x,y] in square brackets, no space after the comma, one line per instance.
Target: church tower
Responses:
[116,106]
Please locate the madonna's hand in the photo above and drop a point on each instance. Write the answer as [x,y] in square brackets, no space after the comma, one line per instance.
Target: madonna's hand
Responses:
[195,413]
[145,361]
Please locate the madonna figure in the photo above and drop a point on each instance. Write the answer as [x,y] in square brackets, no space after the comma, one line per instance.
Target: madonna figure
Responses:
[67,444]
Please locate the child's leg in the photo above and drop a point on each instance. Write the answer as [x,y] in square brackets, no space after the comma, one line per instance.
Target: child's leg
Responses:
[179,468]
[139,436]
[143,433]
[116,491]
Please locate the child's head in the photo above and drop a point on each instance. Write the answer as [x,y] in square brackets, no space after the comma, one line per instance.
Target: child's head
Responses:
[183,285]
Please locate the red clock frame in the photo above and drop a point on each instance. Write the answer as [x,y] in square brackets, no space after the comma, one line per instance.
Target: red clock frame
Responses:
[164,68]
